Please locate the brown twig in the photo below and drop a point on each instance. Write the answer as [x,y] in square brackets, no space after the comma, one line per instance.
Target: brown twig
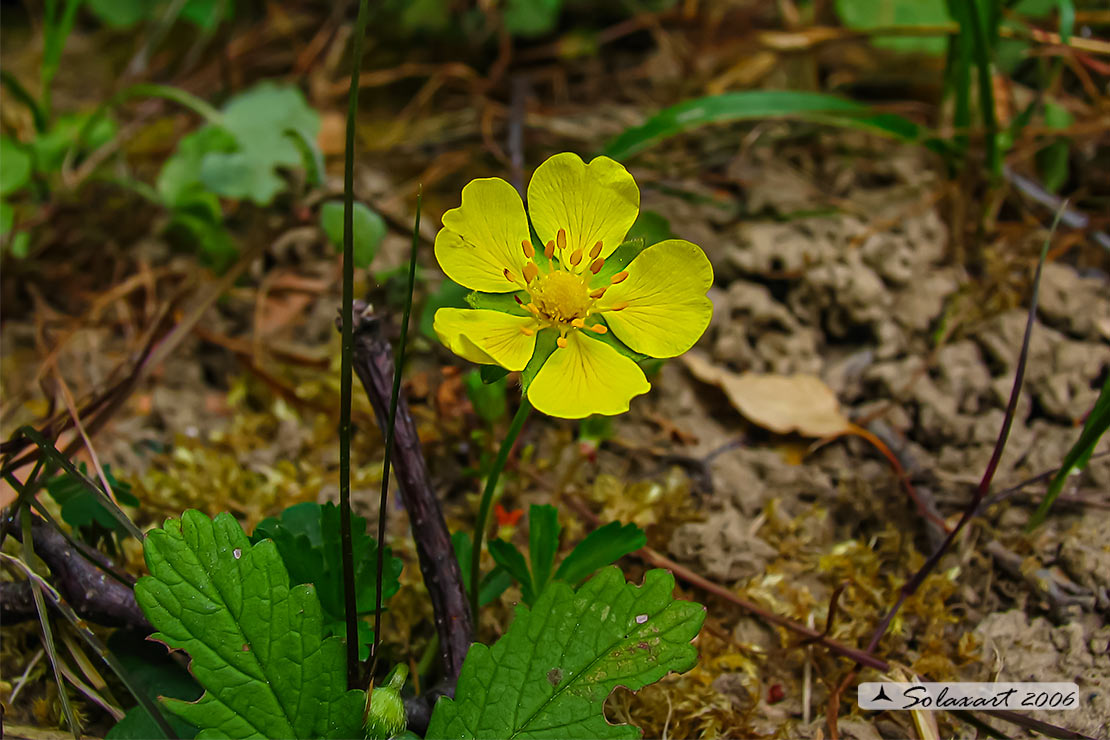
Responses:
[91,593]
[373,363]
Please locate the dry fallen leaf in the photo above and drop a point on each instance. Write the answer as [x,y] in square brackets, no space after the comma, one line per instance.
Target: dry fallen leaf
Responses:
[782,403]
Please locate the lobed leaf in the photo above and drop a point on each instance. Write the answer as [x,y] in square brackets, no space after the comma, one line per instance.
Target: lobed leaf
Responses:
[256,644]
[549,675]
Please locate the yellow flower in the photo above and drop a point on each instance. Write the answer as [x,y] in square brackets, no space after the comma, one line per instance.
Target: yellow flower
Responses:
[578,305]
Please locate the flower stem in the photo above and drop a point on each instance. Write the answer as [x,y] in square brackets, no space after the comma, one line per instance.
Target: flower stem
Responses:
[487,500]
[350,609]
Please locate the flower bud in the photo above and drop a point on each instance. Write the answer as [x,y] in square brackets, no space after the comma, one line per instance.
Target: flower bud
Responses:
[385,710]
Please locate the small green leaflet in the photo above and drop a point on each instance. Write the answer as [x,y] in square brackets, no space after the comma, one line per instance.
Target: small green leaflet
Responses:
[256,644]
[549,675]
[369,230]
[81,508]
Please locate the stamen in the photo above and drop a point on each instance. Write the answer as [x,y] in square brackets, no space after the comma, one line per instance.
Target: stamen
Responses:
[531,308]
[619,306]
[599,292]
[580,323]
[619,277]
[549,248]
[509,276]
[518,301]
[529,250]
[595,251]
[562,342]
[595,266]
[530,272]
[526,331]
[576,257]
[561,238]
[599,328]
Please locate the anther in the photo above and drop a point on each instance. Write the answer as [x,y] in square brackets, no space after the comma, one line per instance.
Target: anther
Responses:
[526,331]
[529,250]
[599,328]
[576,257]
[619,277]
[580,323]
[562,342]
[530,272]
[561,238]
[518,301]
[509,276]
[595,266]
[619,306]
[599,292]
[595,251]
[549,248]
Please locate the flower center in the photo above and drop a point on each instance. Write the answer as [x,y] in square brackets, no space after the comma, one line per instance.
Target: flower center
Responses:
[561,296]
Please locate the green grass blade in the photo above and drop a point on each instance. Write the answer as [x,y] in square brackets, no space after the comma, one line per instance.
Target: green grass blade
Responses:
[761,104]
[1098,421]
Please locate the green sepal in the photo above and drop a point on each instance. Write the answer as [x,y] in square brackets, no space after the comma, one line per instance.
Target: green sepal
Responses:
[545,345]
[385,709]
[492,373]
[503,302]
[616,344]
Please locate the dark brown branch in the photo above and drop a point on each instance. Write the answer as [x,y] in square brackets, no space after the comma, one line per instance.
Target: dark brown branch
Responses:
[373,363]
[91,593]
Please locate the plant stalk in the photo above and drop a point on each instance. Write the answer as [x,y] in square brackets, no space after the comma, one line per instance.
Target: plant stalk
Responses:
[346,543]
[487,500]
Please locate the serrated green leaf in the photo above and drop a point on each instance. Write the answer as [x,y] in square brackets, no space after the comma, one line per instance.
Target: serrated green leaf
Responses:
[256,644]
[15,166]
[308,539]
[603,546]
[259,120]
[150,665]
[179,181]
[549,675]
[369,230]
[543,543]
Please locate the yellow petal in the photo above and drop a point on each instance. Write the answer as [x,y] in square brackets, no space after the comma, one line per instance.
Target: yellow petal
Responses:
[586,377]
[486,337]
[595,202]
[482,238]
[666,310]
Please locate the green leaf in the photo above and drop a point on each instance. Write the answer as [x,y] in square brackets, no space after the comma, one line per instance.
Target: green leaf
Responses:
[509,558]
[369,230]
[550,674]
[493,583]
[862,15]
[81,507]
[531,17]
[256,644]
[179,181]
[543,543]
[308,539]
[601,547]
[761,104]
[50,147]
[259,120]
[120,13]
[150,665]
[16,168]
[1098,421]
[488,399]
